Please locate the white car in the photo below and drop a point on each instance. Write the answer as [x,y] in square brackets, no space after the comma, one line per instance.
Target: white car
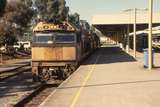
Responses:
[26,44]
[3,49]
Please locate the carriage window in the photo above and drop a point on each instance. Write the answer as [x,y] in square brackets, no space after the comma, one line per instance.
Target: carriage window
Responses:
[67,38]
[43,39]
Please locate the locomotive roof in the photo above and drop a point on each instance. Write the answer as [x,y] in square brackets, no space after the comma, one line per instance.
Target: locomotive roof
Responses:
[43,27]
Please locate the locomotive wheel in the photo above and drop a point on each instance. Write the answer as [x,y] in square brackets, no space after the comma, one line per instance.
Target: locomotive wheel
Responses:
[73,68]
[44,75]
[35,74]
[35,78]
[62,75]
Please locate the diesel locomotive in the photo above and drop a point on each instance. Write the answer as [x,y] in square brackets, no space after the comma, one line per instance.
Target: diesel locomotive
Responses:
[58,49]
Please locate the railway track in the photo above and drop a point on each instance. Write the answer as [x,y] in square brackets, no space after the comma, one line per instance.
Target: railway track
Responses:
[20,91]
[14,72]
[15,87]
[36,97]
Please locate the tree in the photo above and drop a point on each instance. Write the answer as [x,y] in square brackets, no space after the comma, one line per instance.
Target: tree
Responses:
[63,10]
[15,20]
[7,40]
[21,13]
[52,10]
[2,6]
[74,18]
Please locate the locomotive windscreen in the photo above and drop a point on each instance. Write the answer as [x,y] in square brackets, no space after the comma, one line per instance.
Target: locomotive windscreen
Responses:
[43,38]
[65,38]
[54,38]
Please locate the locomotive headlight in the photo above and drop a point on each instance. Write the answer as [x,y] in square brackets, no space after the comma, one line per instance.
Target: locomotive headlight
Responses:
[46,27]
[51,69]
[39,28]
[52,27]
[50,42]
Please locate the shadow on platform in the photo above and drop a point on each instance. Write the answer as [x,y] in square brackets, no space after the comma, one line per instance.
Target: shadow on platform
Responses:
[109,55]
[111,84]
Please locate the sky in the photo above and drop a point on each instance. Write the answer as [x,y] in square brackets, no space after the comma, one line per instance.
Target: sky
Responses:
[88,8]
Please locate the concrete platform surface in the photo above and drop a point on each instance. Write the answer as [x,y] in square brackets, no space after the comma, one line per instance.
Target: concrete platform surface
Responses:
[109,78]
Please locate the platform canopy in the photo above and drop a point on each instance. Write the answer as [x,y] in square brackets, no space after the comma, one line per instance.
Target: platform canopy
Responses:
[111,23]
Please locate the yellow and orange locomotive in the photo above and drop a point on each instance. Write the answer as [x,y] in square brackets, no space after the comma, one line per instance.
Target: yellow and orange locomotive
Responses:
[57,49]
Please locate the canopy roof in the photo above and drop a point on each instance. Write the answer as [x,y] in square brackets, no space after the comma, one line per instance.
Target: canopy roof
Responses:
[113,23]
[114,19]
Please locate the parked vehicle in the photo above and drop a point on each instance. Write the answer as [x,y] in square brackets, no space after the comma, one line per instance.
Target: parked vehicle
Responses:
[22,44]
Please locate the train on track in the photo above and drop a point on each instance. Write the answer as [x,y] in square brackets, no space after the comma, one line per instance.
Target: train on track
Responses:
[58,49]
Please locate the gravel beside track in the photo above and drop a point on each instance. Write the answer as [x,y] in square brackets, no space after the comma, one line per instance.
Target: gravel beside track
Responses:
[16,88]
[13,72]
[38,96]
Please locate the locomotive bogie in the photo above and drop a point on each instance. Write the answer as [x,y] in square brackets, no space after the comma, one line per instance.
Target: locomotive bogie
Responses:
[47,72]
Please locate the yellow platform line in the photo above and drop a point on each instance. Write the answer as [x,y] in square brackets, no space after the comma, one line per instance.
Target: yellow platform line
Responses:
[75,99]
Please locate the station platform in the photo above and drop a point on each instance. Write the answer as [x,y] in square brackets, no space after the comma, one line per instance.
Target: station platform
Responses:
[109,78]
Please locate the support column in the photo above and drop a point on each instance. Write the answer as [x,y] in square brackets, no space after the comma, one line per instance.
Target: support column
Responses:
[123,40]
[134,37]
[120,39]
[117,38]
[150,35]
[128,47]
[114,39]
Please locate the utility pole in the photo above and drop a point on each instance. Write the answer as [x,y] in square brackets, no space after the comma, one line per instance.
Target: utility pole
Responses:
[134,36]
[150,61]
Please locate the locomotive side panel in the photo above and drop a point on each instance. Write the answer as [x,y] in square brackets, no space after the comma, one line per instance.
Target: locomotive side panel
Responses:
[79,52]
[69,53]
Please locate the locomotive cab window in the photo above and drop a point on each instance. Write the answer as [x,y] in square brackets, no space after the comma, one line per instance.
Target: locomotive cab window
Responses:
[43,38]
[65,38]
